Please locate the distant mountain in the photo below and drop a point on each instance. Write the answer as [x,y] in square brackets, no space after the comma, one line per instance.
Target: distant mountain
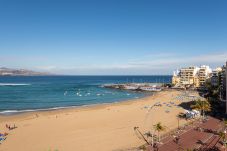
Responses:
[20,72]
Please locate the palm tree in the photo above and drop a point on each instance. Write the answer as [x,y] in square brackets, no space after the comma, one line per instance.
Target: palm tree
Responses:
[202,106]
[159,128]
[222,136]
[137,129]
[225,123]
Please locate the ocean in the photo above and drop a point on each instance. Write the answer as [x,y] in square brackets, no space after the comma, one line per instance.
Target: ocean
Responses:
[30,93]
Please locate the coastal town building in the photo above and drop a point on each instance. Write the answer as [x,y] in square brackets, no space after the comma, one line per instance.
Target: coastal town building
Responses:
[187,75]
[223,84]
[175,79]
[216,77]
[203,75]
[196,81]
[191,76]
[226,85]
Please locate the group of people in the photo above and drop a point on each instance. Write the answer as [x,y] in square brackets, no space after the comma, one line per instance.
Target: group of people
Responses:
[10,127]
[3,135]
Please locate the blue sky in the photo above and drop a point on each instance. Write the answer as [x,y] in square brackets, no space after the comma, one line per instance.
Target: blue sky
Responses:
[112,37]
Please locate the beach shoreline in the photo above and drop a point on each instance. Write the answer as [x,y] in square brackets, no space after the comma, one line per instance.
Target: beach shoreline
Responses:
[105,126]
[70,108]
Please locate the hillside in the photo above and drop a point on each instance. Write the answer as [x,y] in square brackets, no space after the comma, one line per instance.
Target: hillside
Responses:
[20,72]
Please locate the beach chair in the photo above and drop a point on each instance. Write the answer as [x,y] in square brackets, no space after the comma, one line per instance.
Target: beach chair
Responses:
[2,138]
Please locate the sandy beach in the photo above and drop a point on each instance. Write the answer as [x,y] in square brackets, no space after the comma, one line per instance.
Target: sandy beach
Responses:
[100,127]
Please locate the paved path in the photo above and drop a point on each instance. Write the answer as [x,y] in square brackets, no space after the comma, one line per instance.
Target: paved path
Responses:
[193,138]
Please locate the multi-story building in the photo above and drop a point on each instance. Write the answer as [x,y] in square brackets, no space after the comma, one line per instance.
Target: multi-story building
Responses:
[223,83]
[226,86]
[175,79]
[192,76]
[204,74]
[187,76]
[196,81]
[215,77]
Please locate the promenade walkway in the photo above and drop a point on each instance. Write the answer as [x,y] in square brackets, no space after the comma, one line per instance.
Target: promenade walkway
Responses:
[192,138]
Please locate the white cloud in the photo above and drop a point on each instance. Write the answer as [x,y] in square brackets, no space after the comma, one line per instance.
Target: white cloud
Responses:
[177,60]
[47,68]
[151,64]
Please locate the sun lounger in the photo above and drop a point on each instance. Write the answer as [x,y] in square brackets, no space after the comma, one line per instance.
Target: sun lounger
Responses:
[2,138]
[3,134]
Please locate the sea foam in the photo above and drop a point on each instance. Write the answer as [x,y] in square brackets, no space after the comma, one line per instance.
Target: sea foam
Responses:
[14,84]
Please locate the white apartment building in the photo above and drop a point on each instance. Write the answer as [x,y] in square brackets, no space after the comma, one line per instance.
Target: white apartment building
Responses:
[187,75]
[192,76]
[203,74]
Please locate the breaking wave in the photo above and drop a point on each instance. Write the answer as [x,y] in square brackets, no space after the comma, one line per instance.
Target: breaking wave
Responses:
[14,84]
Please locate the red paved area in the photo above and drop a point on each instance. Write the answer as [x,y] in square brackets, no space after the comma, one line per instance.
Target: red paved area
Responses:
[194,139]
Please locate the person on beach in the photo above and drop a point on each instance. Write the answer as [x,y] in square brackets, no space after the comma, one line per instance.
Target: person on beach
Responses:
[155,146]
[10,128]
[177,139]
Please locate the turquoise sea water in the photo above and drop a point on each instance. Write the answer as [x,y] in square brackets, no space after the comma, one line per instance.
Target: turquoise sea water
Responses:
[21,94]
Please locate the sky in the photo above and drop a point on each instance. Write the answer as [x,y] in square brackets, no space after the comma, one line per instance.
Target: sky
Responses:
[112,37]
